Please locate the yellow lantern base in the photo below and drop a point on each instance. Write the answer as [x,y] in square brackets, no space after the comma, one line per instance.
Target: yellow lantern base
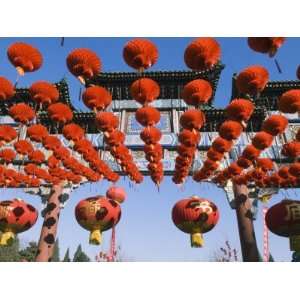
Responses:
[197,240]
[7,238]
[295,243]
[95,237]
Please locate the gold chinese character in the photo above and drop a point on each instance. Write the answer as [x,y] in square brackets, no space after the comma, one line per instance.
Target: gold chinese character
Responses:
[293,212]
[94,207]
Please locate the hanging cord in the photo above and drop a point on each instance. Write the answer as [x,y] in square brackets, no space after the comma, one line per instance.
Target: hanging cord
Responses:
[62,41]
[278,66]
[266,253]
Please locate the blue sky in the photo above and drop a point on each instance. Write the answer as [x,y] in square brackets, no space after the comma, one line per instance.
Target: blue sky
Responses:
[146,231]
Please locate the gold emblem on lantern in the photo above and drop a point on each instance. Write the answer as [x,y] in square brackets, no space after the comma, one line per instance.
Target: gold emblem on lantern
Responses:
[94,207]
[4,211]
[293,212]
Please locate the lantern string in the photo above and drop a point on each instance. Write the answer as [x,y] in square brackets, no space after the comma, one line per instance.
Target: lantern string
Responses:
[266,254]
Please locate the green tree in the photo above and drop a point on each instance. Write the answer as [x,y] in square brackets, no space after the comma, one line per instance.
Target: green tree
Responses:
[10,253]
[67,256]
[80,256]
[55,256]
[29,253]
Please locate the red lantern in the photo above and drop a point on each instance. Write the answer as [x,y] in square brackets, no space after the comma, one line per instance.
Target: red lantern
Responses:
[289,102]
[244,163]
[140,54]
[262,140]
[7,133]
[214,155]
[24,57]
[252,80]
[195,216]
[60,113]
[297,137]
[230,130]
[44,92]
[83,63]
[116,193]
[37,157]
[240,110]
[185,151]
[53,162]
[73,132]
[210,165]
[202,54]
[144,90]
[291,149]
[16,216]
[275,124]
[115,138]
[192,119]
[189,138]
[61,153]
[23,147]
[22,113]
[221,145]
[37,132]
[197,92]
[150,135]
[7,89]
[97,214]
[284,172]
[234,169]
[7,155]
[107,121]
[295,169]
[51,142]
[268,45]
[251,153]
[284,219]
[96,98]
[147,116]
[266,164]
[83,146]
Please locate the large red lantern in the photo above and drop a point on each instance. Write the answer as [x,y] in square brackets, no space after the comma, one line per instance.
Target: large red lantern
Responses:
[44,93]
[192,119]
[291,149]
[140,54]
[197,92]
[150,135]
[275,124]
[7,89]
[202,54]
[73,132]
[60,113]
[107,121]
[97,214]
[240,110]
[268,45]
[7,133]
[83,63]
[15,216]
[230,130]
[147,116]
[284,219]
[22,113]
[252,80]
[144,90]
[195,216]
[37,132]
[289,102]
[221,145]
[24,57]
[96,98]
[262,140]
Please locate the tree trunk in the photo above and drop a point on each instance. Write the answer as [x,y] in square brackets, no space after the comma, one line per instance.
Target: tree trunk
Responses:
[245,224]
[49,228]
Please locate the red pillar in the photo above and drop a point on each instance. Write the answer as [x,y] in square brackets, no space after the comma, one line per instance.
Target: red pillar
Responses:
[49,228]
[245,223]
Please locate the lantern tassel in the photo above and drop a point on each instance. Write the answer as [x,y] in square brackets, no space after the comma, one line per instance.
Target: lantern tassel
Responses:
[197,240]
[295,243]
[7,238]
[95,237]
[278,66]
